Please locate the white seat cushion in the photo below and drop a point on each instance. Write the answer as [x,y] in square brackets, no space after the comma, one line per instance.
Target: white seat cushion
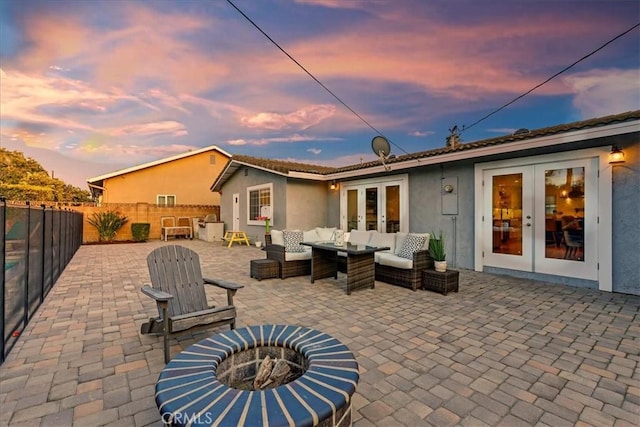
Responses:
[383,239]
[310,236]
[297,256]
[325,233]
[277,237]
[357,237]
[400,238]
[395,261]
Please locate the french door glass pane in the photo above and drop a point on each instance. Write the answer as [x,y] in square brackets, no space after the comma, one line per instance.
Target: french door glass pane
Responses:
[372,208]
[564,209]
[393,208]
[352,210]
[507,214]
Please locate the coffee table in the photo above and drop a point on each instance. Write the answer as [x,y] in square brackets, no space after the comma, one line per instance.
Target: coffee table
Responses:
[361,267]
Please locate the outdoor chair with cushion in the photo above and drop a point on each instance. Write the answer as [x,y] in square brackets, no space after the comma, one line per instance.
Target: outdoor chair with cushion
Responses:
[178,289]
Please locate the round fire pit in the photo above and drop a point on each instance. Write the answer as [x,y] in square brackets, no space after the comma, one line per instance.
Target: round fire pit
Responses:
[210,382]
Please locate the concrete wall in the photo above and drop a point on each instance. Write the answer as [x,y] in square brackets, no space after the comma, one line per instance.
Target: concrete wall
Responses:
[189,179]
[139,212]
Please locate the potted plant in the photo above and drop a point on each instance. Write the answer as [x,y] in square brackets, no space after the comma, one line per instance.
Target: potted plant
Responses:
[438,252]
[267,223]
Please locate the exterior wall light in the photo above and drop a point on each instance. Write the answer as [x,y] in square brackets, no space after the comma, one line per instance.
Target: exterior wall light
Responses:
[616,156]
[333,185]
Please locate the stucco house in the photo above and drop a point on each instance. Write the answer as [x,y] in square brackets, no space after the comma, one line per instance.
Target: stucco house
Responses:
[183,179]
[544,204]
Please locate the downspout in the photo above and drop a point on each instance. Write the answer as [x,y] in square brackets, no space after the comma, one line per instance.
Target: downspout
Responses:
[455,238]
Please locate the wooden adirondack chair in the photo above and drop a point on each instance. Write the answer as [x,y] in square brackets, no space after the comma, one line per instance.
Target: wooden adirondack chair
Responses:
[178,288]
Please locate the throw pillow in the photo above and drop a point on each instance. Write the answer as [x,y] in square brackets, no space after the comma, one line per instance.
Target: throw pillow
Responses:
[292,240]
[411,244]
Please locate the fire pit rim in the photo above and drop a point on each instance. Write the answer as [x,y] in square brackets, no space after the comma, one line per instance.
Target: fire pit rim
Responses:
[188,387]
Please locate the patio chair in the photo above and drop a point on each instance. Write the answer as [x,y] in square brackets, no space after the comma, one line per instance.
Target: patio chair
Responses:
[178,289]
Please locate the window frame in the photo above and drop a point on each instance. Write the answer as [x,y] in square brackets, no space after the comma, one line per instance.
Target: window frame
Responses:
[267,186]
[166,197]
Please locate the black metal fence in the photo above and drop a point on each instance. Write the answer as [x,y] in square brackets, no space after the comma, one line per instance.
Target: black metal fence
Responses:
[36,244]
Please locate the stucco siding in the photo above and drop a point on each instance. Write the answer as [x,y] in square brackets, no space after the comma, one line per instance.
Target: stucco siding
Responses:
[188,179]
[306,204]
[238,183]
[626,226]
[426,199]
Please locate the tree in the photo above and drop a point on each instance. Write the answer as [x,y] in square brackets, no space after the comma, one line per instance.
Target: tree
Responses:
[22,178]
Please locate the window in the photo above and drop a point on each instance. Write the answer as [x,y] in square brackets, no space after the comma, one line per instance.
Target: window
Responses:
[259,202]
[166,200]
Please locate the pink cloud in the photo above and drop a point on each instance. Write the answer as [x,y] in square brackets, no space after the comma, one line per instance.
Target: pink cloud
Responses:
[293,138]
[167,127]
[126,54]
[421,133]
[300,119]
[24,96]
[602,92]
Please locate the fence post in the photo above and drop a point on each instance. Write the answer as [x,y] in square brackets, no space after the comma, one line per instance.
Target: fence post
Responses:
[44,234]
[26,267]
[3,200]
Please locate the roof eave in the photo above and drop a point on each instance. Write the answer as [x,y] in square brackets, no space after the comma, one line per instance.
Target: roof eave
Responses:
[157,162]
[525,144]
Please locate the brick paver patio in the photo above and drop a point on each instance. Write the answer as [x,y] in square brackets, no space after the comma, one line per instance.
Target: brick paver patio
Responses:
[502,351]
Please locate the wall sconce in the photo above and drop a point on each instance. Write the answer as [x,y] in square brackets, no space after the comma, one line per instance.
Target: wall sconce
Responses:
[616,156]
[333,185]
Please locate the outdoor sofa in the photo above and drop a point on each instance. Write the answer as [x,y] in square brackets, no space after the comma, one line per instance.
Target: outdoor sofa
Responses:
[400,265]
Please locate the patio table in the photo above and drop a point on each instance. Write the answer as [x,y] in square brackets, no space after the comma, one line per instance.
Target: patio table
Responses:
[360,263]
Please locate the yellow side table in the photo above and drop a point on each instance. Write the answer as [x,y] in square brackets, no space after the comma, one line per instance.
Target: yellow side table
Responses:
[235,236]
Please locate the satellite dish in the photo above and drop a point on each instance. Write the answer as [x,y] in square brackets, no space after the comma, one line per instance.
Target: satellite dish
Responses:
[381,147]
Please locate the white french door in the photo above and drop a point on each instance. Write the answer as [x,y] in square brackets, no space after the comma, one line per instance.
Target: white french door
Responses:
[542,218]
[508,233]
[375,205]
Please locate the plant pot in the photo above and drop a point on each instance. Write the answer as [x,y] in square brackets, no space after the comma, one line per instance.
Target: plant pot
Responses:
[258,244]
[440,266]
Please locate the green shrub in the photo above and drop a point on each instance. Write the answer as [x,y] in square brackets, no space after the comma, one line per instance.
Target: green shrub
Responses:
[437,247]
[140,231]
[107,223]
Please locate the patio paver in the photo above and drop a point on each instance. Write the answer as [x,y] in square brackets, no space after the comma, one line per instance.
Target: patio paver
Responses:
[502,351]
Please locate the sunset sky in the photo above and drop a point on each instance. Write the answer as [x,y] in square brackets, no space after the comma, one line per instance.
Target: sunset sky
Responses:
[90,87]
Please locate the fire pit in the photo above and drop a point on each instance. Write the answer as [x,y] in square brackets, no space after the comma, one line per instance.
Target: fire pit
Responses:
[210,383]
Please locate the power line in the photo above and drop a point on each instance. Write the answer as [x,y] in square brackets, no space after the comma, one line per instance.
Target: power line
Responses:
[551,78]
[312,76]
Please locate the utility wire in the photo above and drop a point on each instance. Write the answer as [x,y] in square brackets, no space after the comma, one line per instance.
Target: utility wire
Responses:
[313,77]
[465,128]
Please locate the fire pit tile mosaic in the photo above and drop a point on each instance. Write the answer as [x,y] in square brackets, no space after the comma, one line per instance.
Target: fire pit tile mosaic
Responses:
[189,392]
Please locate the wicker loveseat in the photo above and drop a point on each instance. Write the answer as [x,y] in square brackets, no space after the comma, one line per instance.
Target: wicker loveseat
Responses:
[294,263]
[391,267]
[398,265]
